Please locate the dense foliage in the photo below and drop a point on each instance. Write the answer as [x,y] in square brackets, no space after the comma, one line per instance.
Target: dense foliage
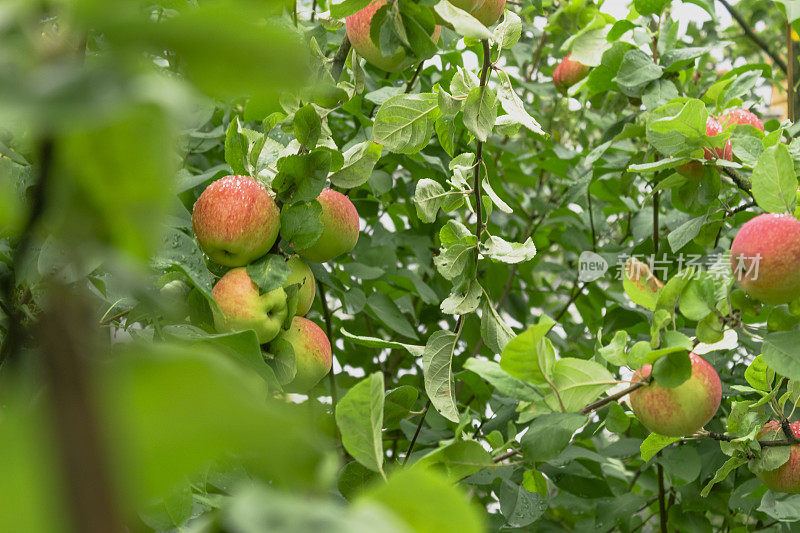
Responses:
[528,239]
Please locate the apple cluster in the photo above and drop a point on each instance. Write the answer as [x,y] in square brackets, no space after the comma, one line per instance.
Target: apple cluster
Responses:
[237,222]
[693,170]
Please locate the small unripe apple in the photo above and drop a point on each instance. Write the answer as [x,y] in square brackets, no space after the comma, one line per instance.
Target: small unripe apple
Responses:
[568,73]
[785,478]
[312,353]
[339,228]
[740,116]
[714,128]
[242,307]
[302,275]
[235,220]
[765,255]
[358,25]
[488,12]
[681,410]
[692,170]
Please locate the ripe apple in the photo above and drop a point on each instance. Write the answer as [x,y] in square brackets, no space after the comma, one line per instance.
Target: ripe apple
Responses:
[339,228]
[488,12]
[714,128]
[357,26]
[568,73]
[740,116]
[300,273]
[764,258]
[785,478]
[312,353]
[242,307]
[681,410]
[235,220]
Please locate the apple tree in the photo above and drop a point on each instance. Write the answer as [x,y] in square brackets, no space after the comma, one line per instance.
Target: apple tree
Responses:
[399,266]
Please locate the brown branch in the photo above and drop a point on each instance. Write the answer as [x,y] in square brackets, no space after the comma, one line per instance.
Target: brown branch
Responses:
[748,30]
[612,398]
[738,180]
[506,455]
[410,83]
[572,298]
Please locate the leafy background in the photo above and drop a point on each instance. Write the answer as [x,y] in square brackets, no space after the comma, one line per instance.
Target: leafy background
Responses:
[468,352]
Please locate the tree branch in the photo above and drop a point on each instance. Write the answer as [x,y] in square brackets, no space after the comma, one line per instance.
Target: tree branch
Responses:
[662,507]
[754,36]
[326,313]
[612,398]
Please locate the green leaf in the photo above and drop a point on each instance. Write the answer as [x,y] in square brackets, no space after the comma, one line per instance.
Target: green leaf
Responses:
[549,434]
[359,416]
[236,148]
[301,177]
[480,112]
[759,375]
[345,8]
[672,369]
[428,198]
[458,459]
[774,180]
[437,360]
[637,68]
[641,286]
[181,252]
[683,234]
[397,404]
[614,352]
[465,301]
[464,23]
[580,382]
[780,353]
[494,330]
[269,273]
[428,502]
[503,382]
[723,472]
[374,342]
[654,443]
[300,224]
[388,312]
[526,357]
[359,161]
[508,32]
[503,251]
[512,104]
[404,123]
[307,126]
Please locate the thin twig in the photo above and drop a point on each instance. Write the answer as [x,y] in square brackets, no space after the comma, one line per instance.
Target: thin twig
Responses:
[662,507]
[572,298]
[410,83]
[748,30]
[505,456]
[326,313]
[416,433]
